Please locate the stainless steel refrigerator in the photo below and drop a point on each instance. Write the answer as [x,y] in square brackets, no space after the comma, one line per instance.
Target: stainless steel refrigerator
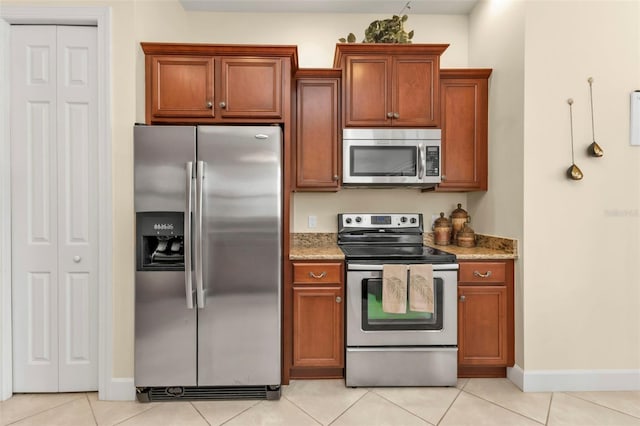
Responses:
[208,202]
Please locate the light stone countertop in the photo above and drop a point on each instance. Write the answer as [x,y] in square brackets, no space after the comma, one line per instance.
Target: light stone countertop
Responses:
[323,246]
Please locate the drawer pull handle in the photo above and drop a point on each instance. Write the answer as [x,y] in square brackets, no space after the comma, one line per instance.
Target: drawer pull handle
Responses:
[481,275]
[318,277]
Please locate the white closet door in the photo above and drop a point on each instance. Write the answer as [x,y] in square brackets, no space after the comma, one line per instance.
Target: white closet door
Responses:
[54,214]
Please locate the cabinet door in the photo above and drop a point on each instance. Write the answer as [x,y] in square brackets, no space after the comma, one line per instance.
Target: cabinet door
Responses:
[318,327]
[415,91]
[181,86]
[317,134]
[367,91]
[250,87]
[464,116]
[482,325]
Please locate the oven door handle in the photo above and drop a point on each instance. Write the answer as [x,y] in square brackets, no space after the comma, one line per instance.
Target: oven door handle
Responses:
[404,349]
[436,267]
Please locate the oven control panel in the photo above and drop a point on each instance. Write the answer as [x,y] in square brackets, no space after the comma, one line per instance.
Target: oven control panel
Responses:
[368,220]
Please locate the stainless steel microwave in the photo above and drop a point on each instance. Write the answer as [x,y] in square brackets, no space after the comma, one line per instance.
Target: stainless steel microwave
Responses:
[391,157]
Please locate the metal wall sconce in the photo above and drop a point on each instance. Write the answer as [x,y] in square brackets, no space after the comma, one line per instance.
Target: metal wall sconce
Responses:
[594,150]
[574,171]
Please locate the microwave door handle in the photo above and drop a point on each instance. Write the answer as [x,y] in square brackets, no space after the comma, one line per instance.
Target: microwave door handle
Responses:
[421,161]
[188,282]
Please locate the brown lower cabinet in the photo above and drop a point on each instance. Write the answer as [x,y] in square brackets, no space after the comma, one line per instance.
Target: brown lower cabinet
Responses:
[485,318]
[318,320]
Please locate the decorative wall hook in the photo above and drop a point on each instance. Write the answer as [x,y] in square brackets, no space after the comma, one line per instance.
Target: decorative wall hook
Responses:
[574,171]
[594,149]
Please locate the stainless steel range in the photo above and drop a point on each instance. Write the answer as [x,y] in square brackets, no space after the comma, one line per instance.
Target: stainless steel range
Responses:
[412,348]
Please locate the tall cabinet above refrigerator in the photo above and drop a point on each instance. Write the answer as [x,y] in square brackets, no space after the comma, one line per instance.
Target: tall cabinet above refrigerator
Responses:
[208,202]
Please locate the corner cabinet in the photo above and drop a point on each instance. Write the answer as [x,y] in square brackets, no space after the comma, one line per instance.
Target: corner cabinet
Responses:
[390,85]
[464,115]
[485,318]
[318,320]
[317,117]
[198,83]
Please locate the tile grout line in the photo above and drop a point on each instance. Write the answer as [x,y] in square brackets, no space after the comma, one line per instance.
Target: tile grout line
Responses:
[402,408]
[241,412]
[349,407]
[198,411]
[600,405]
[151,404]
[452,402]
[95,420]
[504,408]
[549,408]
[40,412]
[301,409]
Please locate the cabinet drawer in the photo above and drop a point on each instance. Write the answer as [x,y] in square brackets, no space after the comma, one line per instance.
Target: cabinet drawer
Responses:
[317,273]
[482,272]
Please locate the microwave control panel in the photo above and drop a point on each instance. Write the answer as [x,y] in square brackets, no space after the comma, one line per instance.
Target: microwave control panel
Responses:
[432,161]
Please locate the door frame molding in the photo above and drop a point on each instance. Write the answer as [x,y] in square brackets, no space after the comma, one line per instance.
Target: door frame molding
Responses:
[108,387]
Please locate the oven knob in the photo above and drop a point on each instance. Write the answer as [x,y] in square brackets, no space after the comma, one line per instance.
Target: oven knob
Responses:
[358,219]
[403,219]
[348,220]
[413,220]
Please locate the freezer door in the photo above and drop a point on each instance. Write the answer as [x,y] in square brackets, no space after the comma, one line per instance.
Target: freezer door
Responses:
[165,327]
[239,323]
[160,156]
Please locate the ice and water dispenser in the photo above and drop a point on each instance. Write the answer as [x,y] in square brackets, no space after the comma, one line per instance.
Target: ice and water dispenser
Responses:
[160,241]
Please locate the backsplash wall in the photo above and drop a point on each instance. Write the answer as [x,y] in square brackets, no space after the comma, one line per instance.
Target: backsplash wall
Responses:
[325,206]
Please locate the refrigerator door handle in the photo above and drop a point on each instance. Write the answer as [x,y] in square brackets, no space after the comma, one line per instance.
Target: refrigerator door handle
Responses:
[198,234]
[187,235]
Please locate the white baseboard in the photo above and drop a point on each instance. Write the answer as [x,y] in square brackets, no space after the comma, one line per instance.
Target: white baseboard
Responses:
[119,389]
[574,380]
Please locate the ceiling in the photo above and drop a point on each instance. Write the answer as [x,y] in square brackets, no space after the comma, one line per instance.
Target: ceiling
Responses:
[390,7]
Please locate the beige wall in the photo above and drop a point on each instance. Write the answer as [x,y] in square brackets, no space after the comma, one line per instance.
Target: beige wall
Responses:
[578,283]
[581,239]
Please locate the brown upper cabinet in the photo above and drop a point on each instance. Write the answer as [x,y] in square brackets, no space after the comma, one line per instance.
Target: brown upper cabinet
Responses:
[317,111]
[464,114]
[390,85]
[198,83]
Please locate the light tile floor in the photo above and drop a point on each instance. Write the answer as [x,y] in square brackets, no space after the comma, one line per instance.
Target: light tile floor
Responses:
[474,402]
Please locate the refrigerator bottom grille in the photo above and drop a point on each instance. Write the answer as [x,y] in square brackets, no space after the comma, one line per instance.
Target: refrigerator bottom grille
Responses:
[177,393]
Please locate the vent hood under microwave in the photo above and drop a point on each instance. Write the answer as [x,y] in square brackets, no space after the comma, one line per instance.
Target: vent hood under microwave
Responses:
[386,158]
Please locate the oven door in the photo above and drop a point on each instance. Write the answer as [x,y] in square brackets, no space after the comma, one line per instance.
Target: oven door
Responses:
[368,325]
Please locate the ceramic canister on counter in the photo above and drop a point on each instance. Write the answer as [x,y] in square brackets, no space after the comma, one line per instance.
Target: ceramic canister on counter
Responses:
[442,230]
[466,237]
[458,218]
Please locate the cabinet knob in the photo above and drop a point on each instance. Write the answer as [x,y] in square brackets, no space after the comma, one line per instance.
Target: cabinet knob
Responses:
[481,275]
[443,178]
[77,259]
[335,177]
[318,277]
[209,104]
[389,115]
[223,104]
[396,115]
[462,297]
[338,299]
